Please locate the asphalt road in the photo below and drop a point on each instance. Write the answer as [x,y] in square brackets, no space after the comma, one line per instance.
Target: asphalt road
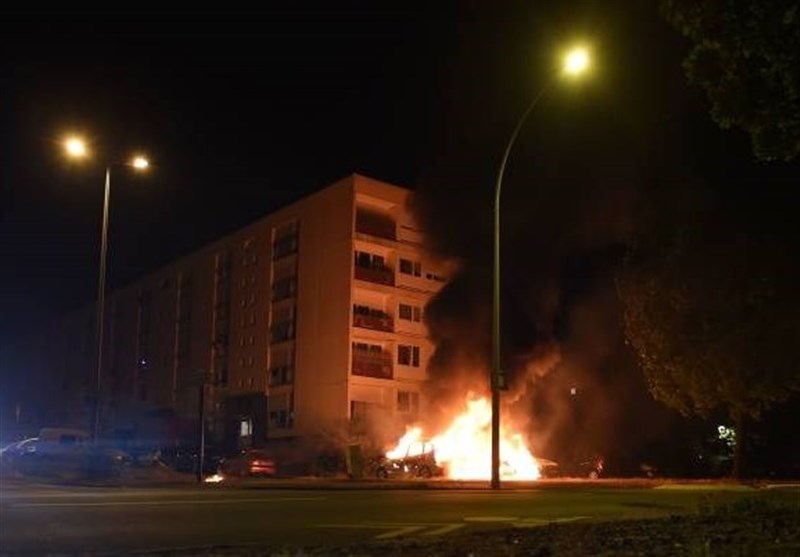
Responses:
[38,520]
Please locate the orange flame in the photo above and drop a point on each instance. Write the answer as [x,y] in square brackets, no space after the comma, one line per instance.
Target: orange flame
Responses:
[464,449]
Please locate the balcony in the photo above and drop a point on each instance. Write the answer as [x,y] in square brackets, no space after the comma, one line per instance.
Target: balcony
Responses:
[281,332]
[378,366]
[372,319]
[287,245]
[379,275]
[375,223]
[376,226]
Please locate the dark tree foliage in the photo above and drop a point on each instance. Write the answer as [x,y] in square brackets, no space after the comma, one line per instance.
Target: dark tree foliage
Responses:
[745,55]
[711,311]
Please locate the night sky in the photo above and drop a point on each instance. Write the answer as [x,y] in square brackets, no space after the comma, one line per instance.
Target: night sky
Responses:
[244,112]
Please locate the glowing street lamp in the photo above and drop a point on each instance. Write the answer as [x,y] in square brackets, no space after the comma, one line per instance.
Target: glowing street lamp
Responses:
[76,148]
[575,62]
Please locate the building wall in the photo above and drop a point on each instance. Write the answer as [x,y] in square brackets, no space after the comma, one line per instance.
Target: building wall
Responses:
[279,357]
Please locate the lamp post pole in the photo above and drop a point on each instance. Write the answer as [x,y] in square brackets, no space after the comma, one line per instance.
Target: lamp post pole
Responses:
[575,62]
[76,148]
[101,303]
[498,378]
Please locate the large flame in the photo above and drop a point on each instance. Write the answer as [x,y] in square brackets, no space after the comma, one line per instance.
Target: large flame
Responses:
[464,449]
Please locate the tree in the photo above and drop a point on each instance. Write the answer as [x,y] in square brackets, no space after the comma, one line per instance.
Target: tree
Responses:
[745,55]
[711,313]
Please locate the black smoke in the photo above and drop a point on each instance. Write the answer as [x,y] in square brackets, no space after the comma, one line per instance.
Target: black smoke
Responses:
[567,206]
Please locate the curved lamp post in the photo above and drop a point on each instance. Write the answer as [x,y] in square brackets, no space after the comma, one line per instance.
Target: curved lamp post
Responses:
[76,148]
[575,62]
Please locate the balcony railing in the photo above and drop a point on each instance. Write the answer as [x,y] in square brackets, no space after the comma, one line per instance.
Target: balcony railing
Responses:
[374,322]
[373,365]
[380,275]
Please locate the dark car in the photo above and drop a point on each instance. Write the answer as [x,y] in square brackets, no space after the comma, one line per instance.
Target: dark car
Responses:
[11,454]
[422,465]
[52,455]
[591,468]
[187,458]
[249,463]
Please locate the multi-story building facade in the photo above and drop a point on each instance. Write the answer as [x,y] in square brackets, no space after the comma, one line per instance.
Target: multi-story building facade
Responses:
[305,324]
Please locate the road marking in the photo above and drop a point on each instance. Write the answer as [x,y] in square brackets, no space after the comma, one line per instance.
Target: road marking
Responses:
[444,529]
[537,522]
[398,529]
[168,503]
[705,487]
[783,486]
[399,532]
[490,518]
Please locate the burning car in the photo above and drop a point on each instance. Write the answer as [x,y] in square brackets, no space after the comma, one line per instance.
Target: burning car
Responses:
[417,462]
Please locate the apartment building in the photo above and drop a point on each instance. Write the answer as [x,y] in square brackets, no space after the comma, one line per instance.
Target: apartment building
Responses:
[306,323]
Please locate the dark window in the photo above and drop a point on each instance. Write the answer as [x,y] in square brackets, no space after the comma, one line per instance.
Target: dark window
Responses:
[282,331]
[409,267]
[408,355]
[281,375]
[410,313]
[284,288]
[369,260]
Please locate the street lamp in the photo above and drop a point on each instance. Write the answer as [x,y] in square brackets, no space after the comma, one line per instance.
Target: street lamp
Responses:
[75,147]
[575,63]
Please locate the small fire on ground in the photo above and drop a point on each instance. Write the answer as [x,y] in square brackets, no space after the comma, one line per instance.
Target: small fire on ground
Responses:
[464,448]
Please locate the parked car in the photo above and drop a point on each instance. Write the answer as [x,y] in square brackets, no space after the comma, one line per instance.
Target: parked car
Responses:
[10,454]
[186,458]
[422,465]
[591,468]
[548,468]
[58,452]
[249,463]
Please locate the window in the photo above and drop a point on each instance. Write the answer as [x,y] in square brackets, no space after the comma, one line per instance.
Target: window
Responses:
[359,411]
[408,355]
[281,419]
[245,427]
[409,267]
[369,260]
[284,288]
[281,370]
[285,240]
[282,331]
[362,348]
[410,313]
[281,415]
[281,375]
[408,402]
